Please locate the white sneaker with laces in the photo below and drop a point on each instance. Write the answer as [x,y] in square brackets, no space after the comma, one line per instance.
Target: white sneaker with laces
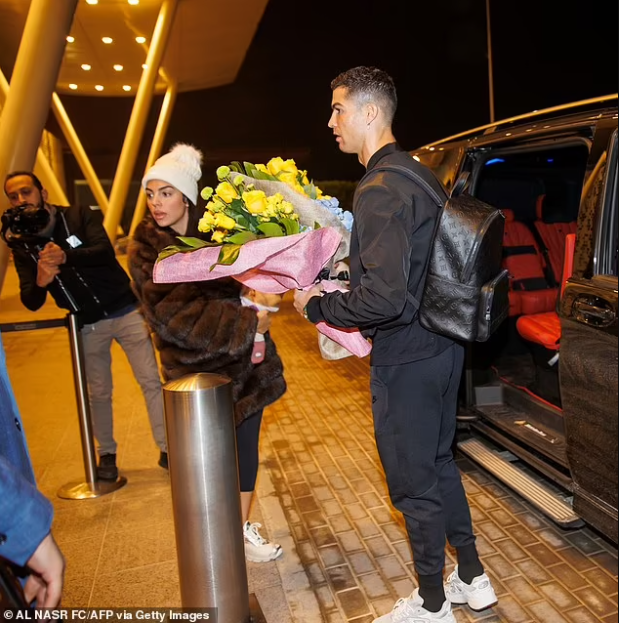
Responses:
[257,548]
[479,595]
[411,610]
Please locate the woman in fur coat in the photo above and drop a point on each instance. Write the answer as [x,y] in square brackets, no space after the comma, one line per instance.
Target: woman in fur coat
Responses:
[202,326]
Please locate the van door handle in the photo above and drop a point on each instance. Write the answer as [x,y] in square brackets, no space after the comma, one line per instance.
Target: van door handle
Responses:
[592,313]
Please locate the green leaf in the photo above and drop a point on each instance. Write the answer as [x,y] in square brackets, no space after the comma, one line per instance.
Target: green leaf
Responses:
[194,243]
[168,251]
[271,230]
[261,175]
[291,226]
[252,171]
[237,206]
[310,189]
[242,237]
[174,249]
[247,222]
[228,255]
[237,166]
[316,225]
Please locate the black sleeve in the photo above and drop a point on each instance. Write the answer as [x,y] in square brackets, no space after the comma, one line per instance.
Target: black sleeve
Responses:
[32,296]
[96,249]
[384,221]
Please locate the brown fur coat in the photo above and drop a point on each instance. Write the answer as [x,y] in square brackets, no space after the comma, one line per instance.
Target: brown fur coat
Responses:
[202,326]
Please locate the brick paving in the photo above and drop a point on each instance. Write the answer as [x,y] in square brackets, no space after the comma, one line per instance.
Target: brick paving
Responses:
[325,469]
[321,494]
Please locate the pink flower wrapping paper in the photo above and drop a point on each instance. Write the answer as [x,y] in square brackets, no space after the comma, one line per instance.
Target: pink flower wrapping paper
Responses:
[272,265]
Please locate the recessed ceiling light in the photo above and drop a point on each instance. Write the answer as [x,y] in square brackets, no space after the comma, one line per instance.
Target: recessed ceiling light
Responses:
[133,1]
[73,87]
[144,66]
[99,87]
[107,40]
[86,67]
[141,39]
[118,67]
[70,39]
[92,1]
[126,87]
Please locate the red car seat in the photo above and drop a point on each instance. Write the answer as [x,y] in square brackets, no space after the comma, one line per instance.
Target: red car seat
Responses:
[529,290]
[553,235]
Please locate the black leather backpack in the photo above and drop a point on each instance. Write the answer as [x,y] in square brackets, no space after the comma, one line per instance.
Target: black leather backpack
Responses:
[466,292]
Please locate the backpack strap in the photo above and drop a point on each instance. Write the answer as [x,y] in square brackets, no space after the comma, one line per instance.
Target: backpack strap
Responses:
[415,299]
[415,177]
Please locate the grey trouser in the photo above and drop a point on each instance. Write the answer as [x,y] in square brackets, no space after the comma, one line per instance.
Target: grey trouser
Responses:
[131,333]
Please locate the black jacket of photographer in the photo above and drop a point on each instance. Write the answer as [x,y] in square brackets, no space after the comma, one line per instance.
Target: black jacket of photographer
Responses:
[390,244]
[91,274]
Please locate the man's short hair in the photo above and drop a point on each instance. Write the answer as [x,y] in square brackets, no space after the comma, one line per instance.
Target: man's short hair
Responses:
[370,84]
[35,180]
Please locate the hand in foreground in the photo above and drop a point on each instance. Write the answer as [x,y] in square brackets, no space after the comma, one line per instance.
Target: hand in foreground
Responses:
[301,297]
[52,255]
[46,273]
[47,566]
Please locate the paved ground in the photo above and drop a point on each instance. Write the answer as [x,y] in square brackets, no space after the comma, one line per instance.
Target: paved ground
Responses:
[321,494]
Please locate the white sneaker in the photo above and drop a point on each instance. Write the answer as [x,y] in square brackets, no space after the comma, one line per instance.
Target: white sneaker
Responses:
[257,548]
[478,595]
[411,610]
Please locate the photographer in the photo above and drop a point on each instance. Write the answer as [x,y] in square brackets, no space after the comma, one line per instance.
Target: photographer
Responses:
[66,251]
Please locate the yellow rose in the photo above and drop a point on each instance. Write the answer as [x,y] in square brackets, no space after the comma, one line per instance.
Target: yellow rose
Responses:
[255,201]
[218,235]
[227,192]
[214,206]
[224,222]
[287,178]
[262,167]
[206,222]
[290,166]
[275,165]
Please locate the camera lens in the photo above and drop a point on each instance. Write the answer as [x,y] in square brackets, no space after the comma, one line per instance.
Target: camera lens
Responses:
[27,220]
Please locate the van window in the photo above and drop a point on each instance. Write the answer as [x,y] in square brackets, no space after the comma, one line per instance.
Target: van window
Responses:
[544,184]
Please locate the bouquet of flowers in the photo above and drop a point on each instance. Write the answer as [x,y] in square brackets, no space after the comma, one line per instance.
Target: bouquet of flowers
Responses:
[262,239]
[283,177]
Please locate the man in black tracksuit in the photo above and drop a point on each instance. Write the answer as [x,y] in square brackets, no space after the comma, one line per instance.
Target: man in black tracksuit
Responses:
[415,374]
[72,258]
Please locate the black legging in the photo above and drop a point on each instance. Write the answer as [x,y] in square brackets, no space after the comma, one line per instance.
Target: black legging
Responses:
[247,439]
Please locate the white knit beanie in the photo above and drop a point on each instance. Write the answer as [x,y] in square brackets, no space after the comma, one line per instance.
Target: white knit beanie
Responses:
[180,167]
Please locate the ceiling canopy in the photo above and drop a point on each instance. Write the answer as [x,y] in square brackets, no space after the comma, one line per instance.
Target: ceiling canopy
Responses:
[109,39]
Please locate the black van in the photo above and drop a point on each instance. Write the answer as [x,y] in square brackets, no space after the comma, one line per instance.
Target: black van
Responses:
[541,395]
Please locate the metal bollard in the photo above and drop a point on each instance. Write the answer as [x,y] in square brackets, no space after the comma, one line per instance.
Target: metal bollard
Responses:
[205,495]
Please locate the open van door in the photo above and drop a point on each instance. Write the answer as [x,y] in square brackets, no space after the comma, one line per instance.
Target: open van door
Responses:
[588,355]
